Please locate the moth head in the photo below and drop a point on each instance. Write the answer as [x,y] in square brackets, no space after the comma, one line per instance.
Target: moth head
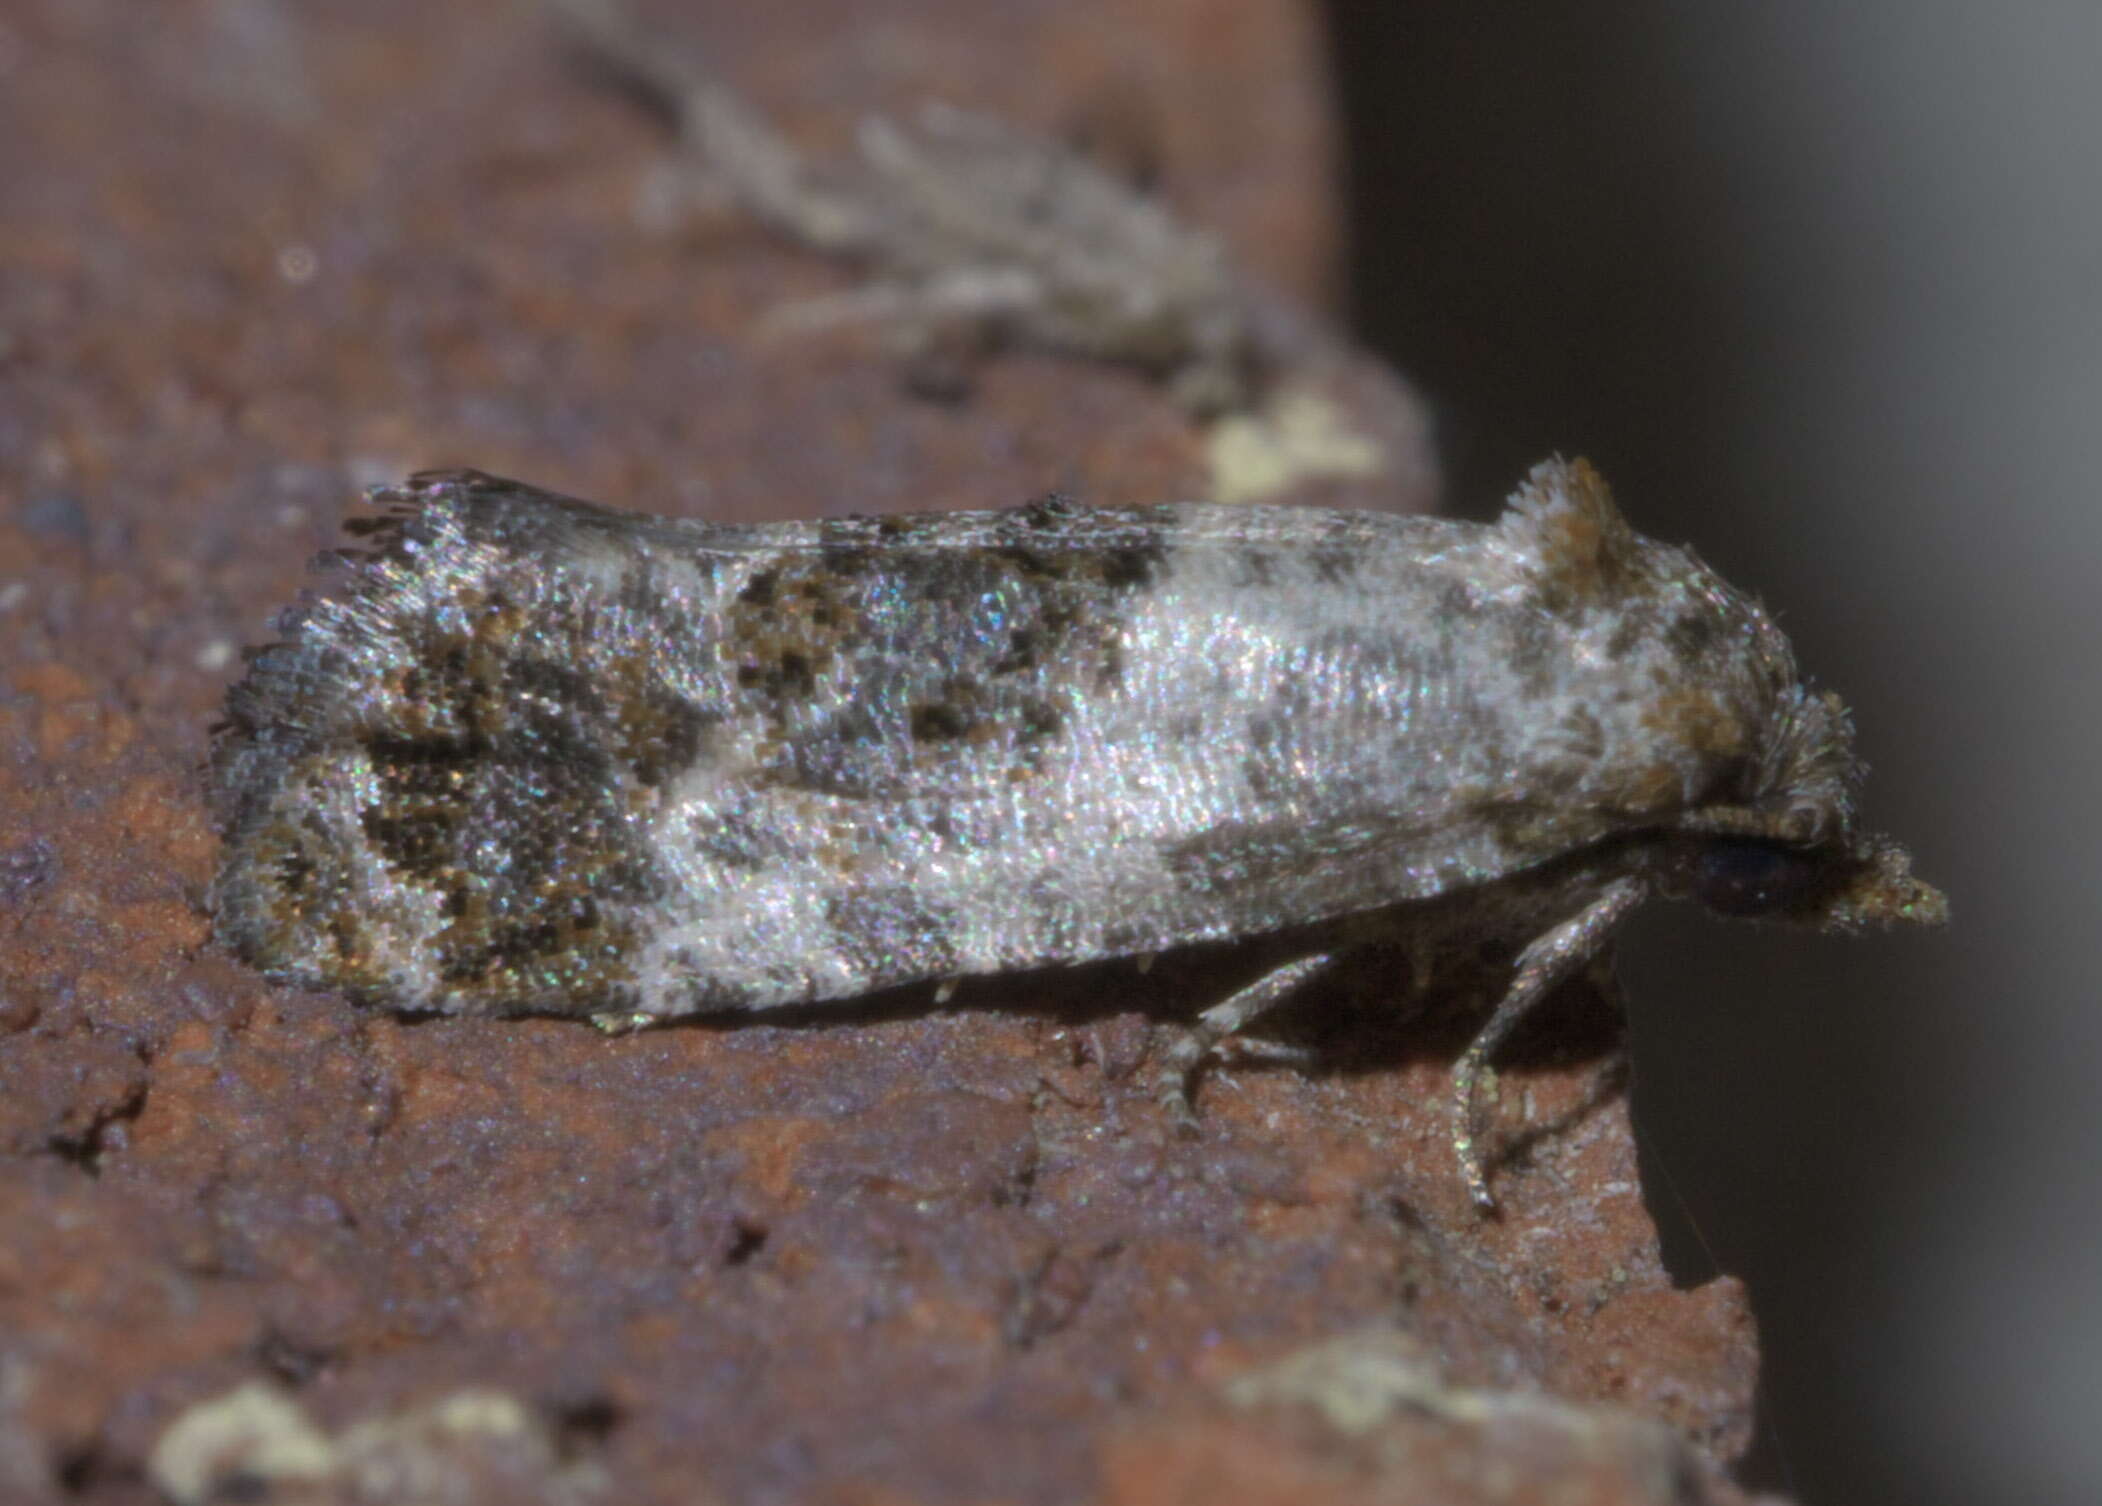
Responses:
[1792,850]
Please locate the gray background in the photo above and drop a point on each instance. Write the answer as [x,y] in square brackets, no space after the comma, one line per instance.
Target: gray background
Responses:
[1820,288]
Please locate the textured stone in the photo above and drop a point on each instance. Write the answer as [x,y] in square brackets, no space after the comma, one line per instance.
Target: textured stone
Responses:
[258,255]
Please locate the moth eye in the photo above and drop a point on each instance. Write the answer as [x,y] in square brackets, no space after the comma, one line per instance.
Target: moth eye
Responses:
[1754,878]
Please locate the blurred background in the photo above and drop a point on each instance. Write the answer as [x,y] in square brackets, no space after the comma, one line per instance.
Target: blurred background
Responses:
[1817,286]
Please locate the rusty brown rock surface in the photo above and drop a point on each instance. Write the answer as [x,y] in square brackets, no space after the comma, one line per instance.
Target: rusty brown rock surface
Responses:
[262,1245]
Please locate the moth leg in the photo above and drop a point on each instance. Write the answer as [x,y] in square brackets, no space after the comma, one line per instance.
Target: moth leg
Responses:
[1282,1053]
[1602,972]
[1548,959]
[1224,1019]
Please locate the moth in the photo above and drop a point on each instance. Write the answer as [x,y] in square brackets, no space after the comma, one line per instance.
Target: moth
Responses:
[522,753]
